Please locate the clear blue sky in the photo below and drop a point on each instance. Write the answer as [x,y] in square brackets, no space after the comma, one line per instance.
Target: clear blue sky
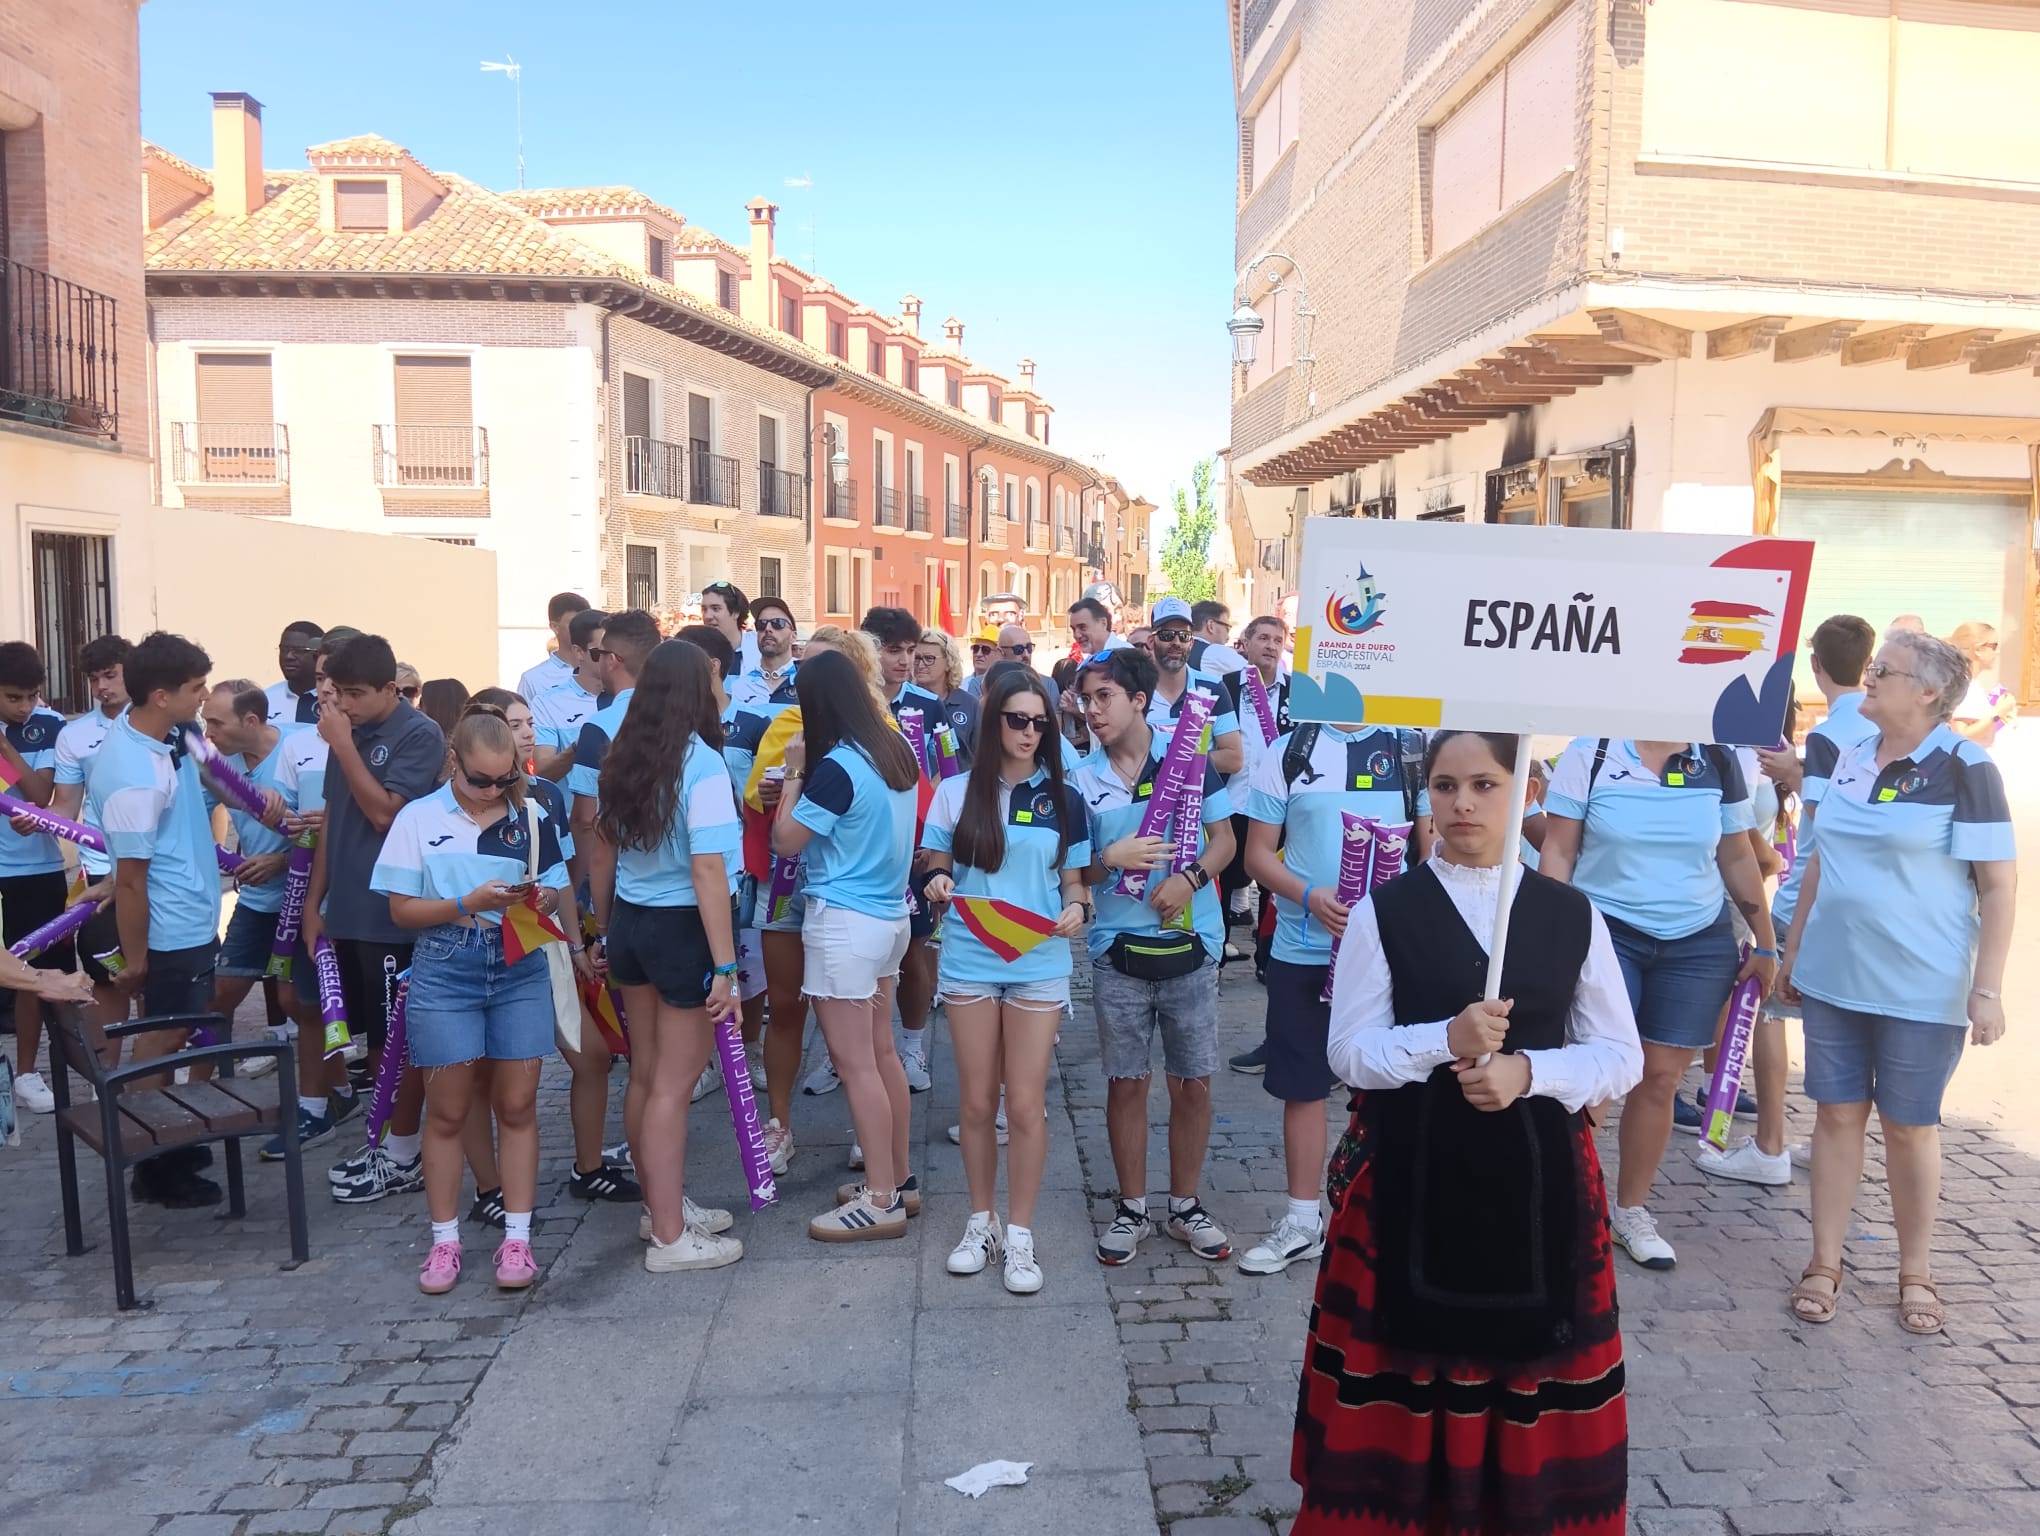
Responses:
[1059,175]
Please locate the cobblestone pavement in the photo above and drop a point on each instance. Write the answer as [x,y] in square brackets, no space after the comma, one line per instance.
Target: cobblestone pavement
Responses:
[1743,1422]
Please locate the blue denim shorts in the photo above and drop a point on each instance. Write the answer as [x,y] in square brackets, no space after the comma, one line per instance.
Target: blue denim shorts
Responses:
[245,951]
[466,1003]
[1678,987]
[1052,991]
[1902,1065]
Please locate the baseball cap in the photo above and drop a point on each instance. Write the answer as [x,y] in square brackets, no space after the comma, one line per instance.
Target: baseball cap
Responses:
[1169,608]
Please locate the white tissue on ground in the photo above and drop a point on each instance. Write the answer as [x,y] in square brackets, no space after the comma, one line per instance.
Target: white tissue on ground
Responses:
[989,1474]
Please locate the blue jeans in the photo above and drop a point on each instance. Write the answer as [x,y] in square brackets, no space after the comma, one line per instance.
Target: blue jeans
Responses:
[466,1002]
[1678,987]
[1901,1065]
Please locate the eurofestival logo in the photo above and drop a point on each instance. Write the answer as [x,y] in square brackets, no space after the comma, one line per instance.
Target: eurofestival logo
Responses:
[1358,611]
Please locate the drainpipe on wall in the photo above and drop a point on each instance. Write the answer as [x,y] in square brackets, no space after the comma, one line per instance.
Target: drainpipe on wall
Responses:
[811,524]
[970,513]
[607,462]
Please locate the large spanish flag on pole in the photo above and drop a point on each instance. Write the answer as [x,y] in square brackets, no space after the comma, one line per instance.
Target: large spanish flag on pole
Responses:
[1008,931]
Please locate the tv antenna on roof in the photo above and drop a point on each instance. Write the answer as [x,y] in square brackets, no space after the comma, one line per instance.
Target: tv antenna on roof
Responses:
[515,71]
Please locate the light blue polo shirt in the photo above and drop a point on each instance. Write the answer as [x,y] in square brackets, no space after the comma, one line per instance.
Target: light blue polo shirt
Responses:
[435,849]
[1894,924]
[152,805]
[1162,715]
[1361,772]
[705,821]
[541,679]
[1647,851]
[1843,727]
[1030,876]
[1114,809]
[273,772]
[592,745]
[558,714]
[305,754]
[862,852]
[77,744]
[38,853]
[752,688]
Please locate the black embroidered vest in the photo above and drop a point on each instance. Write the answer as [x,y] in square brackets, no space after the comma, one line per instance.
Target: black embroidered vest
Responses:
[1475,1212]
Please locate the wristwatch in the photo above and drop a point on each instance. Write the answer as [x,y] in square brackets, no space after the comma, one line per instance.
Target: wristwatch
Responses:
[1200,877]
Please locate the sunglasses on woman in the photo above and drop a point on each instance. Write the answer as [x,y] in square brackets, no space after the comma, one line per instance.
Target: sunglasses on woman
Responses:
[478,782]
[408,693]
[1020,720]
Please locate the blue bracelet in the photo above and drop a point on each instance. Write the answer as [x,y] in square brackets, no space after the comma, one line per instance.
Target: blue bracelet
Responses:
[1768,954]
[461,907]
[1305,930]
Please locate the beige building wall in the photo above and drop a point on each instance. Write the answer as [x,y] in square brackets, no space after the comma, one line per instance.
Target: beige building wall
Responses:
[534,374]
[436,606]
[51,486]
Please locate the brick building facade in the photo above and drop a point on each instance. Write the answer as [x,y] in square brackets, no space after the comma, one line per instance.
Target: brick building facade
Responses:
[1715,265]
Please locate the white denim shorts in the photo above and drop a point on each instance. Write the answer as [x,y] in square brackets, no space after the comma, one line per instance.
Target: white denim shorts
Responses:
[846,954]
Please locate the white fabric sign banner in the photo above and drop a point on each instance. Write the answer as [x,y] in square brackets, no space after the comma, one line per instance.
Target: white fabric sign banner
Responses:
[1553,631]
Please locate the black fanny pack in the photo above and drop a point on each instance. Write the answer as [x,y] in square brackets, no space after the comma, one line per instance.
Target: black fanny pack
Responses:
[1156,956]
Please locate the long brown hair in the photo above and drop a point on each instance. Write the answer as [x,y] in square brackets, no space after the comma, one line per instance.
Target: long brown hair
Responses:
[836,708]
[639,787]
[980,837]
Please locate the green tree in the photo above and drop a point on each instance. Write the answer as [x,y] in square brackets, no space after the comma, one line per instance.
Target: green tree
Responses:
[1186,552]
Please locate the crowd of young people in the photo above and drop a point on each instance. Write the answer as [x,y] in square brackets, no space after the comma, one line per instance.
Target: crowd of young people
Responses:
[926,837]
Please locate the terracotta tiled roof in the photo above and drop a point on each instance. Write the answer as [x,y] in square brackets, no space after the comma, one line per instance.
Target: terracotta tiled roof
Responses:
[158,152]
[590,200]
[360,144]
[702,240]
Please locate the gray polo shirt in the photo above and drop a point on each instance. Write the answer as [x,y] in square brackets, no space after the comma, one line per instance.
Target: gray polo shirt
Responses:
[405,753]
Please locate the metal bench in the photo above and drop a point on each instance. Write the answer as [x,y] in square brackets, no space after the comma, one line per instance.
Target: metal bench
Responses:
[127,1125]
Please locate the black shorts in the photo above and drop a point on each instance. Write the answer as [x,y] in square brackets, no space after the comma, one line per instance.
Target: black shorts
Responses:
[921,911]
[26,903]
[662,947]
[368,981]
[1234,876]
[180,981]
[100,936]
[1299,1025]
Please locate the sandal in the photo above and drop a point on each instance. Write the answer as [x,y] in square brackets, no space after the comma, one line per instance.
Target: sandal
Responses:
[1933,1312]
[1811,1306]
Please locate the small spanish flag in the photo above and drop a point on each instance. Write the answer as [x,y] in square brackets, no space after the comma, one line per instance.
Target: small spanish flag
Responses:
[1008,931]
[1722,631]
[607,1012]
[525,929]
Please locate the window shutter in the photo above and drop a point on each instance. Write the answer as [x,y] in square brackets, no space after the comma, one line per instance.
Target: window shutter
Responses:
[656,252]
[1542,109]
[363,206]
[768,440]
[434,391]
[1466,168]
[698,421]
[234,387]
[637,405]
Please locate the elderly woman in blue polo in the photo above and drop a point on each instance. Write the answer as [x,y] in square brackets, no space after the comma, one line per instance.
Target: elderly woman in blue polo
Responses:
[1897,955]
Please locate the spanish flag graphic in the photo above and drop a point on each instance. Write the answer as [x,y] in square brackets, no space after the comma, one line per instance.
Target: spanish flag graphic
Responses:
[1008,931]
[607,1013]
[1722,631]
[525,929]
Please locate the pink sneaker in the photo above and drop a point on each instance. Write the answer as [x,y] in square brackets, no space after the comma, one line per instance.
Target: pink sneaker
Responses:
[515,1267]
[441,1269]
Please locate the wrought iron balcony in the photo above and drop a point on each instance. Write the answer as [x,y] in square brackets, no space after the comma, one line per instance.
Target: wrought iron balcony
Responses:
[885,507]
[953,523]
[713,479]
[781,492]
[917,514]
[842,503]
[988,513]
[59,363]
[653,468]
[425,456]
[230,452]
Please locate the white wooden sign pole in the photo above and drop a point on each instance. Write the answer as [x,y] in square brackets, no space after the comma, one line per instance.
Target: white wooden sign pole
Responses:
[1512,867]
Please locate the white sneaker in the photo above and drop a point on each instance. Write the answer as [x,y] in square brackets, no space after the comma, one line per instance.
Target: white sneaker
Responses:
[1023,1275]
[31,1092]
[778,1147]
[1801,1153]
[260,1066]
[914,1060]
[1747,1162]
[822,1080]
[708,1082]
[1289,1242]
[998,1127]
[693,1249]
[979,1245]
[856,1162]
[755,1064]
[707,1219]
[1637,1232]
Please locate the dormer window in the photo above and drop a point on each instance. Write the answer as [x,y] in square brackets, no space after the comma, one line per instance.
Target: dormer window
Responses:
[874,356]
[954,391]
[998,406]
[655,256]
[839,344]
[362,206]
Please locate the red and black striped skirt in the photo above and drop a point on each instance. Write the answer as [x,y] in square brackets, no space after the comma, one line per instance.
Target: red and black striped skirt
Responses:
[1388,1441]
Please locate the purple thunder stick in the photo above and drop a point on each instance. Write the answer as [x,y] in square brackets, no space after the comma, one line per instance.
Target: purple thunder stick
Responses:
[332,1001]
[49,821]
[1166,789]
[290,918]
[55,931]
[916,733]
[1718,1113]
[229,861]
[1188,829]
[1391,852]
[785,878]
[390,1070]
[1264,712]
[729,1045]
[948,755]
[232,783]
[1357,835]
